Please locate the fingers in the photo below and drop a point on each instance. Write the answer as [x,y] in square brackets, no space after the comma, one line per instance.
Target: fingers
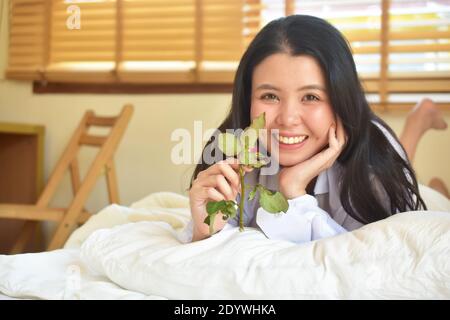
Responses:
[200,193]
[234,163]
[226,169]
[220,177]
[220,181]
[336,136]
[336,140]
[332,139]
[213,194]
[340,132]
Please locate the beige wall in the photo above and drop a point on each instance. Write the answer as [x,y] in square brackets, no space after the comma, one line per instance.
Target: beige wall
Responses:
[143,158]
[432,158]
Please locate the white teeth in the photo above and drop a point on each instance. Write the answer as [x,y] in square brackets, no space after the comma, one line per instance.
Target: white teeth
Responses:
[291,140]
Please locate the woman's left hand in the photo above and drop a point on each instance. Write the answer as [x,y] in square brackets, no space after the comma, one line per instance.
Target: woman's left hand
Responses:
[294,180]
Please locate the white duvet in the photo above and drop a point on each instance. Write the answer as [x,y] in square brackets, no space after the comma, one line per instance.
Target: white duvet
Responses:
[138,252]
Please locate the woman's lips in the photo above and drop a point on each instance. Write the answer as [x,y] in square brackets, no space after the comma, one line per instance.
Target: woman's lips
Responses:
[289,141]
[293,146]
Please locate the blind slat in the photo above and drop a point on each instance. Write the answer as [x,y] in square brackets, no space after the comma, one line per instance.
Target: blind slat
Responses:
[94,40]
[154,31]
[26,39]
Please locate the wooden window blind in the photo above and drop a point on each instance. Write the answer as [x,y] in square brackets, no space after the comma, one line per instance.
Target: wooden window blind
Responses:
[85,54]
[27,54]
[131,41]
[399,46]
[158,41]
[419,46]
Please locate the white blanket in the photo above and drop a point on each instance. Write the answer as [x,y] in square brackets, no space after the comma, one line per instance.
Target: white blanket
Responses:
[138,252]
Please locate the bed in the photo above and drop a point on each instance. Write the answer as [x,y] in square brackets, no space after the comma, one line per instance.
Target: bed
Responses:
[142,252]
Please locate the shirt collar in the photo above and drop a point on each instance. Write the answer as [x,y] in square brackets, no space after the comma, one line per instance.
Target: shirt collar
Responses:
[327,178]
[322,183]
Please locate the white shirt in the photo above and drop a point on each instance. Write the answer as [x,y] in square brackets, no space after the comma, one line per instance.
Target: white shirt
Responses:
[304,221]
[326,193]
[308,217]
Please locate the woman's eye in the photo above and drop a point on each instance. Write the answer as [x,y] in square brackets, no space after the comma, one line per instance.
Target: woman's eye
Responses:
[311,97]
[269,96]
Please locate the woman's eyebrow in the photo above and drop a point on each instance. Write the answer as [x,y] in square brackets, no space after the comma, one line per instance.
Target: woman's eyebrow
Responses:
[307,87]
[312,86]
[267,86]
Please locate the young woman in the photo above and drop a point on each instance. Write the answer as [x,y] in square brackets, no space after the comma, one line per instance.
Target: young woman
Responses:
[342,159]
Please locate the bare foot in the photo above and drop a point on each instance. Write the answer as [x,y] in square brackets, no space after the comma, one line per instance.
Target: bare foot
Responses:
[439,185]
[425,115]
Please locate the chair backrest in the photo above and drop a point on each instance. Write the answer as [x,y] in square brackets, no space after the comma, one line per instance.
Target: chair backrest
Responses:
[107,144]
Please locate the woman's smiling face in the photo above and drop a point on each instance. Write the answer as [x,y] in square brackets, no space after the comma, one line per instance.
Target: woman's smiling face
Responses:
[291,90]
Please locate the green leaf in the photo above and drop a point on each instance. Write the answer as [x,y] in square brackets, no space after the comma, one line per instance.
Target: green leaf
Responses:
[259,122]
[211,219]
[273,202]
[226,207]
[229,144]
[214,206]
[247,158]
[249,136]
[252,194]
[260,163]
[261,156]
[229,210]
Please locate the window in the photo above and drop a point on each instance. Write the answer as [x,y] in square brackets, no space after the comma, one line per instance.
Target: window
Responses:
[399,46]
[130,41]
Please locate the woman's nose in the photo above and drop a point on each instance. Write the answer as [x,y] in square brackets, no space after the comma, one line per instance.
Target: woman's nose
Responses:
[290,114]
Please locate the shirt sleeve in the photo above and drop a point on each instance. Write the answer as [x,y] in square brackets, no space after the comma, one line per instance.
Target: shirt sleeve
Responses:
[304,221]
[186,234]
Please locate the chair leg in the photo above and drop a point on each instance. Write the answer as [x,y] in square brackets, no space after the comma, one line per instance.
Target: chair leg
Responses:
[24,238]
[111,181]
[63,230]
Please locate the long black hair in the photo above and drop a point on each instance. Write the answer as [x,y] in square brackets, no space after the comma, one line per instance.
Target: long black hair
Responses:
[368,154]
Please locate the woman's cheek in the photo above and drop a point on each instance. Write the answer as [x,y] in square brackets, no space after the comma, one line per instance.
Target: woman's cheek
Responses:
[322,137]
[320,122]
[256,109]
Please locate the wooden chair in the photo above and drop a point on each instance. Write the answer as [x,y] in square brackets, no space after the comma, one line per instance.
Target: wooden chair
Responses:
[68,218]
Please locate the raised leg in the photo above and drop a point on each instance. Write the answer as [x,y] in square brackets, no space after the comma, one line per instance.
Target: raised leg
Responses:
[424,116]
[439,185]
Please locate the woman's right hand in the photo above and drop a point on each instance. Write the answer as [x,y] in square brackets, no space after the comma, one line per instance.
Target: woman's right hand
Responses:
[219,182]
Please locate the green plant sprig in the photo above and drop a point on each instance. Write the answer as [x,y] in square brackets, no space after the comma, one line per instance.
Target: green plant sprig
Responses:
[245,149]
